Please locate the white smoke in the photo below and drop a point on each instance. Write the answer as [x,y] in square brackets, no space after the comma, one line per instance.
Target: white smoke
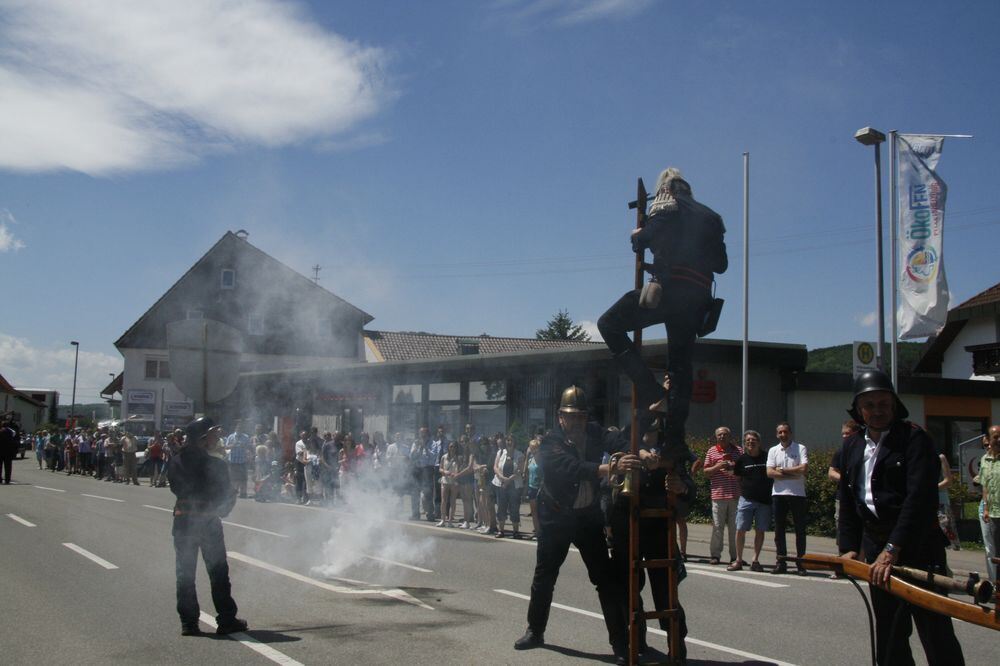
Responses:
[371,534]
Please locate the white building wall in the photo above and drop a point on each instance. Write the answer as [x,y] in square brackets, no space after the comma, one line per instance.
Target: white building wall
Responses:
[816,416]
[957,363]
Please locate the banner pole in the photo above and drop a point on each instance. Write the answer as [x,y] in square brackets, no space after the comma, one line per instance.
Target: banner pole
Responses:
[893,249]
[746,290]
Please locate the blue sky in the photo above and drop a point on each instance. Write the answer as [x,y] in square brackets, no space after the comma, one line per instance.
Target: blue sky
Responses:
[463,167]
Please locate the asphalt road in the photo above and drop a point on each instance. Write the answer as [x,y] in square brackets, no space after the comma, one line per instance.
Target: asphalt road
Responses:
[89,579]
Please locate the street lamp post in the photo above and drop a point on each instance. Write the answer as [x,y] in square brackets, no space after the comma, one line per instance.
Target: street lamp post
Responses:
[869,136]
[111,407]
[76,360]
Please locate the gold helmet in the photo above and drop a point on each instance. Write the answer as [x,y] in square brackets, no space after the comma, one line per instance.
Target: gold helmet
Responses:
[573,401]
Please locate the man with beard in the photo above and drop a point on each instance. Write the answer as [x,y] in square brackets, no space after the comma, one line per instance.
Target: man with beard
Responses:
[686,239]
[569,513]
[888,509]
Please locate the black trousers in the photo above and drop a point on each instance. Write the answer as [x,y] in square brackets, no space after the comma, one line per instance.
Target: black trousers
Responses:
[894,618]
[585,530]
[782,504]
[300,482]
[8,464]
[653,542]
[191,534]
[682,309]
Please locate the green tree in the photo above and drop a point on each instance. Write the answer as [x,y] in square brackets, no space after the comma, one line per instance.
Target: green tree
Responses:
[562,327]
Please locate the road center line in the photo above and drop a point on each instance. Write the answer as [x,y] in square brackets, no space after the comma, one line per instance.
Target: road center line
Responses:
[689,639]
[158,508]
[55,490]
[745,575]
[255,645]
[392,593]
[256,529]
[19,519]
[90,556]
[102,497]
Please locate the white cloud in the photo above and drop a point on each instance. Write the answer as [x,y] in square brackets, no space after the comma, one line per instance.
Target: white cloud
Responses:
[591,328]
[28,366]
[569,12]
[107,85]
[868,319]
[7,240]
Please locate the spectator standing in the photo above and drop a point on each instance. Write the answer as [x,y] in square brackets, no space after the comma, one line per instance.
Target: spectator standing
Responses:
[720,460]
[833,473]
[449,485]
[754,507]
[261,455]
[440,446]
[301,460]
[84,451]
[329,469]
[989,479]
[238,452]
[129,468]
[507,482]
[397,462]
[40,440]
[787,464]
[154,453]
[427,453]
[533,474]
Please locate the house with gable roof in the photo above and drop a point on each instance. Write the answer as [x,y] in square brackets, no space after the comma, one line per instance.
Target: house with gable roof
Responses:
[287,320]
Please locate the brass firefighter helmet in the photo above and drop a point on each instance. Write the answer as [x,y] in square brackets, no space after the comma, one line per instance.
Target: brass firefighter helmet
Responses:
[573,401]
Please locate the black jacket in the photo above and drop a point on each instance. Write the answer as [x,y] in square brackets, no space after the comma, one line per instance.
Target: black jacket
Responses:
[563,470]
[688,238]
[201,483]
[904,489]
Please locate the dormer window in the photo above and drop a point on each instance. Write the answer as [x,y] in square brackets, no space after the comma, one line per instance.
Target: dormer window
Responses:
[228,278]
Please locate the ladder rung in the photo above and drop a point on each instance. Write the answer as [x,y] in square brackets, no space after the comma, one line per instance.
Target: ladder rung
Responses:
[656,615]
[655,513]
[657,564]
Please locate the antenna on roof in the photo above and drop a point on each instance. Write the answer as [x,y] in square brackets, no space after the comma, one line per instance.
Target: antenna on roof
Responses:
[242,234]
[316,269]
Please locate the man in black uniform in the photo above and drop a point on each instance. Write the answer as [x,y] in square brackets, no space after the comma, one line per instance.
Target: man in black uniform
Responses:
[657,478]
[686,239]
[204,495]
[569,513]
[9,441]
[888,508]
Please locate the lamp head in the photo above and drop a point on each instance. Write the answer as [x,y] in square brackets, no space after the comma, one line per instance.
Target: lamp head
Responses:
[869,136]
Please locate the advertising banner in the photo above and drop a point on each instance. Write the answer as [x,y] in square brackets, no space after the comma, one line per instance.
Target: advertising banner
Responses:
[140,405]
[923,289]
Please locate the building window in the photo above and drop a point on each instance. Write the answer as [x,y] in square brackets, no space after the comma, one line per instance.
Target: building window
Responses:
[255,324]
[448,391]
[157,369]
[195,314]
[228,280]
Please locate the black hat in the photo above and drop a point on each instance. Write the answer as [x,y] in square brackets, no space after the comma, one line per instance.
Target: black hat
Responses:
[198,428]
[870,381]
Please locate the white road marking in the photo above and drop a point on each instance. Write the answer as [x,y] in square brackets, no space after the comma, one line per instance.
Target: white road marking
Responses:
[110,499]
[90,556]
[702,570]
[256,529]
[395,563]
[19,519]
[55,490]
[255,645]
[158,508]
[689,639]
[393,593]
[813,579]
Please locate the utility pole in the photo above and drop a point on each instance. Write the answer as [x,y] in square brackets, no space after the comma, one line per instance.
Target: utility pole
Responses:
[316,270]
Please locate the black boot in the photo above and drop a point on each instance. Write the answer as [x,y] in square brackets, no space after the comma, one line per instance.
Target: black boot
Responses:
[529,640]
[232,626]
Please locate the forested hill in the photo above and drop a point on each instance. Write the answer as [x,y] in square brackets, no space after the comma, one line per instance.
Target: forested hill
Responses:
[838,359]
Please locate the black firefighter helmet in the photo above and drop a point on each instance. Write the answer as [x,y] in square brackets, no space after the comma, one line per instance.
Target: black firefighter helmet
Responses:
[198,428]
[870,381]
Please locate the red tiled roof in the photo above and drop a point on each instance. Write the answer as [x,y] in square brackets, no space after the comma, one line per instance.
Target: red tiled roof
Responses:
[991,295]
[404,345]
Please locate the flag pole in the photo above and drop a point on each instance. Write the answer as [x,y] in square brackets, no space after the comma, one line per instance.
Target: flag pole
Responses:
[746,289]
[894,252]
